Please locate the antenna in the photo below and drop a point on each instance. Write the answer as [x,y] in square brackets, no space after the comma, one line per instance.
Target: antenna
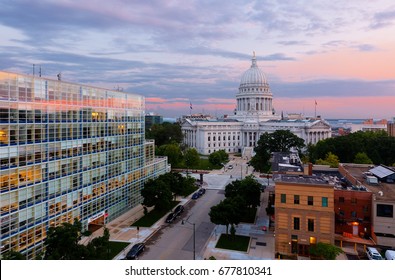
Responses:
[33,70]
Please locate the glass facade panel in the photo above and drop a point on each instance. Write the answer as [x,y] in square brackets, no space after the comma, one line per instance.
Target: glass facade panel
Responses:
[67,151]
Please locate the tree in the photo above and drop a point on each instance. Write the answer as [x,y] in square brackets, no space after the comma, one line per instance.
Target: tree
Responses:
[165,133]
[219,157]
[175,181]
[172,152]
[377,145]
[62,242]
[362,158]
[325,251]
[331,159]
[248,189]
[156,193]
[227,212]
[278,141]
[13,255]
[191,158]
[98,248]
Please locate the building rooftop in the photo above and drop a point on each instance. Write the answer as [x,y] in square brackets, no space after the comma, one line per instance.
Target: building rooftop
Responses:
[286,162]
[382,191]
[306,180]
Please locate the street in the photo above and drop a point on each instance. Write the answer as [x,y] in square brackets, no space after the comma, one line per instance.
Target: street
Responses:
[175,241]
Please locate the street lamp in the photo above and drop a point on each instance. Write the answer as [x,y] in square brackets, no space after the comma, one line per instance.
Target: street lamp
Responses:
[194,240]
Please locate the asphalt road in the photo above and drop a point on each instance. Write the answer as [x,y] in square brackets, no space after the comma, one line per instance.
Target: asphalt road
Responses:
[175,241]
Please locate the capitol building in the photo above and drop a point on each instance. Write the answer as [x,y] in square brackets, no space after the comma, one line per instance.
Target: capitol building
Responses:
[254,115]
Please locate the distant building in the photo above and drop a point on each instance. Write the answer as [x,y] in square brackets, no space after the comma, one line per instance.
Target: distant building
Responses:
[151,119]
[253,116]
[68,151]
[391,128]
[369,125]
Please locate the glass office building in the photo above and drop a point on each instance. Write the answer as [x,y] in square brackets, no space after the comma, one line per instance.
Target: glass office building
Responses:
[68,151]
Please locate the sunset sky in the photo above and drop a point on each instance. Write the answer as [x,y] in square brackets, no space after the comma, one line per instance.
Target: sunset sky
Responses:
[340,54]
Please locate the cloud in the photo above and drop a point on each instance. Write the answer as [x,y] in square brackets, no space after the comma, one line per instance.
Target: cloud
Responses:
[383,19]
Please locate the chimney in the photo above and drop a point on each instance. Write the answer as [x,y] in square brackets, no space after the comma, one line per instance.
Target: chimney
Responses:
[308,170]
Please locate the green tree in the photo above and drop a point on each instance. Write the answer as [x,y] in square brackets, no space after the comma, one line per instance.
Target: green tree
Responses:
[219,157]
[62,242]
[378,146]
[172,152]
[156,193]
[13,255]
[362,158]
[325,251]
[98,248]
[278,141]
[227,212]
[191,158]
[165,133]
[331,159]
[175,181]
[248,189]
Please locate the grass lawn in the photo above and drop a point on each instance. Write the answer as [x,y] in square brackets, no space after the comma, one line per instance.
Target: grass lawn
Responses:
[237,243]
[153,216]
[116,248]
[250,216]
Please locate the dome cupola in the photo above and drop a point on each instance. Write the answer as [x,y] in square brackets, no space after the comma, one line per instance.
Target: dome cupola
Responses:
[255,99]
[253,77]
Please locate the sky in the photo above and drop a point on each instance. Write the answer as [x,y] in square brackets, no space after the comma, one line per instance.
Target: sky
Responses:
[339,54]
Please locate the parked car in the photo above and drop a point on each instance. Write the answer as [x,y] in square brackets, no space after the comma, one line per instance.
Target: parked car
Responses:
[373,254]
[196,195]
[390,255]
[171,217]
[202,191]
[135,251]
[179,209]
[230,166]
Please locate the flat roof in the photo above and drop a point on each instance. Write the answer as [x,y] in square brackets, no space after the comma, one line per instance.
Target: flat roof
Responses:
[299,179]
[387,190]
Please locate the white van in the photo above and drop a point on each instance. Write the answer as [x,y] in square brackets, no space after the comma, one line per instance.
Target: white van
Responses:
[373,254]
[390,255]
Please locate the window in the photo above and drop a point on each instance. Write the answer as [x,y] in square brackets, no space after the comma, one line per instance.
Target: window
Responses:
[353,200]
[283,198]
[310,200]
[310,224]
[341,199]
[324,202]
[385,210]
[296,199]
[296,223]
[354,214]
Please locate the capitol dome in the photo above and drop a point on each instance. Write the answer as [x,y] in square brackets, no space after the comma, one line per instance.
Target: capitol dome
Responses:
[253,77]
